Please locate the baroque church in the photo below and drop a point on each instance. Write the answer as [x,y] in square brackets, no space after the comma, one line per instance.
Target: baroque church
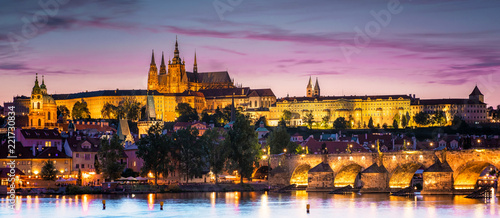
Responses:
[43,108]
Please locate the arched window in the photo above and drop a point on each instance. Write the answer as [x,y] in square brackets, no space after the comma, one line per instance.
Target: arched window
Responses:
[48,116]
[38,105]
[39,122]
[31,122]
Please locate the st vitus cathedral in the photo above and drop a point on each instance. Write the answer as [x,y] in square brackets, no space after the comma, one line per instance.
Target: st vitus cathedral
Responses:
[175,79]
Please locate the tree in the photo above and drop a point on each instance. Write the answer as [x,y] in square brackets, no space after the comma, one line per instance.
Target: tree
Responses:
[129,109]
[439,118]
[191,152]
[48,171]
[340,123]
[154,149]
[62,111]
[370,123]
[287,116]
[422,119]
[395,124]
[109,111]
[129,173]
[80,110]
[325,120]
[242,147]
[110,153]
[279,139]
[309,119]
[384,126]
[404,120]
[186,113]
[217,155]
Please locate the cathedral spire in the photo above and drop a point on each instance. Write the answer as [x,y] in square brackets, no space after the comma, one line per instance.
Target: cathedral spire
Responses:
[316,88]
[163,68]
[195,66]
[309,85]
[309,89]
[176,51]
[153,58]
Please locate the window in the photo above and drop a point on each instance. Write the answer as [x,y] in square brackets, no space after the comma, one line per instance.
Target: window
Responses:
[134,163]
[77,155]
[48,144]
[55,162]
[87,156]
[83,166]
[77,166]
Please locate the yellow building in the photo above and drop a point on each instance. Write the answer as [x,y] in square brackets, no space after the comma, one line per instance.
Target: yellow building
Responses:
[382,109]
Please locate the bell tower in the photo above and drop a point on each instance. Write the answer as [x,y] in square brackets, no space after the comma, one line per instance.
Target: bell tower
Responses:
[316,88]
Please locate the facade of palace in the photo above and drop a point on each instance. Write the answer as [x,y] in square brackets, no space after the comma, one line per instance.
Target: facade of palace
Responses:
[204,91]
[382,109]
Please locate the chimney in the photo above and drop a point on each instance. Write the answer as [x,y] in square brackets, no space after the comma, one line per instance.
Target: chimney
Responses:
[33,149]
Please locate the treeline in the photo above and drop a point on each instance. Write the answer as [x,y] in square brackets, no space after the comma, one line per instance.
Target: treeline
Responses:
[184,151]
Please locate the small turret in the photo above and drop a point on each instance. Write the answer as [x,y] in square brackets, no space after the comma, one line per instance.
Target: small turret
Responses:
[43,88]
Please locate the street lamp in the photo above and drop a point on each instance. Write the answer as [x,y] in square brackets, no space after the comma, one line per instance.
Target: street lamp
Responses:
[284,150]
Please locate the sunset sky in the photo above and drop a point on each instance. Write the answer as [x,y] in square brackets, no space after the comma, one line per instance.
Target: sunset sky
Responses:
[434,49]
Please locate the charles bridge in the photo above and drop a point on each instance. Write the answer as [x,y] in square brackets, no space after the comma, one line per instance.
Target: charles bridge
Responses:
[444,172]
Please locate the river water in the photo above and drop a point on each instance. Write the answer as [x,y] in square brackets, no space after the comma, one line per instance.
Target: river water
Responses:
[250,204]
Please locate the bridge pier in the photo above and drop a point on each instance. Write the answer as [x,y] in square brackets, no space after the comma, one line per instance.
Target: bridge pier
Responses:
[375,179]
[438,179]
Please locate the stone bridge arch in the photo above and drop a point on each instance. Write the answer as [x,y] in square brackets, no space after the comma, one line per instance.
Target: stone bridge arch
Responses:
[349,174]
[469,173]
[403,174]
[300,174]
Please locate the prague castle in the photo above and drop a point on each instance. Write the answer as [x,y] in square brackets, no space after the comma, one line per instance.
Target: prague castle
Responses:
[204,91]
[382,109]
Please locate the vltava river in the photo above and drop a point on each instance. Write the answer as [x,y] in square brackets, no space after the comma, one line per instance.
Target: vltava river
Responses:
[252,204]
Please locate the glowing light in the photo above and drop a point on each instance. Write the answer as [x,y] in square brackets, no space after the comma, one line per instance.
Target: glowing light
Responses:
[151,202]
[394,157]
[284,150]
[264,157]
[35,172]
[303,155]
[62,171]
[479,150]
[92,173]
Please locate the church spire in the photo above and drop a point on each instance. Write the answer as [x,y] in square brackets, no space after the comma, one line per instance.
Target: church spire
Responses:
[309,88]
[195,66]
[176,59]
[316,88]
[153,58]
[163,68]
[36,89]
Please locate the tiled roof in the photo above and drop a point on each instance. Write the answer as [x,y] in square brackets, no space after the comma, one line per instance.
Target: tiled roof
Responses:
[352,97]
[227,92]
[20,151]
[76,145]
[476,91]
[211,77]
[40,134]
[322,167]
[52,152]
[261,92]
[444,101]
[374,168]
[439,167]
[5,171]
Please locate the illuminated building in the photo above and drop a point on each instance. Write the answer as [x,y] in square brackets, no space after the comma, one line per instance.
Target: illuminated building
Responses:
[382,109]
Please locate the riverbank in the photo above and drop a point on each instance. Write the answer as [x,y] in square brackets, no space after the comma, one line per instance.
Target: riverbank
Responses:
[145,189]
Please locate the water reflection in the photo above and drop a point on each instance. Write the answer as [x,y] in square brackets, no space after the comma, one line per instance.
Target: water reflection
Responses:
[253,204]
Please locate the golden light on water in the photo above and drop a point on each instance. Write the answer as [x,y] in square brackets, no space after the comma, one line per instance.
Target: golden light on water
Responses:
[151,202]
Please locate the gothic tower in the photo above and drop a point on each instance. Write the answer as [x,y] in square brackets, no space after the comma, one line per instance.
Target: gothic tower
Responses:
[316,88]
[177,77]
[153,74]
[309,88]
